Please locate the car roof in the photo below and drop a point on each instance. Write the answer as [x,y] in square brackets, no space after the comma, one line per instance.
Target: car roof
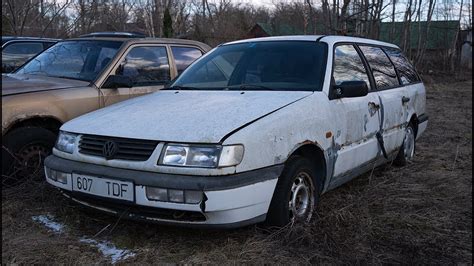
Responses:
[330,39]
[11,38]
[147,40]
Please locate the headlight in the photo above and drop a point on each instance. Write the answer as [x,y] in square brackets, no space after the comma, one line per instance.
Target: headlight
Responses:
[207,156]
[66,142]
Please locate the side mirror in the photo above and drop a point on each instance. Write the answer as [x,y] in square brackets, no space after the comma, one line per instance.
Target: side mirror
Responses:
[117,81]
[347,89]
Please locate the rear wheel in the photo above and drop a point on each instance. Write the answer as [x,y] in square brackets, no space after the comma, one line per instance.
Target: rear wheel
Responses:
[296,194]
[407,150]
[23,153]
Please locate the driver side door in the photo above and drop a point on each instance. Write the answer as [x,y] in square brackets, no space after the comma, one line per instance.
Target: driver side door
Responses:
[147,66]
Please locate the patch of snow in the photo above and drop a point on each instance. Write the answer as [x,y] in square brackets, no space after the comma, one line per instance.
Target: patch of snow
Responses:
[109,250]
[47,220]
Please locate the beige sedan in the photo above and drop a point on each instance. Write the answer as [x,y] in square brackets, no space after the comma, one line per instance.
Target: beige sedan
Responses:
[77,76]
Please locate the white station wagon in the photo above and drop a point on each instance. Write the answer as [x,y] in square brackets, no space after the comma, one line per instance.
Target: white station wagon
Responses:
[255,130]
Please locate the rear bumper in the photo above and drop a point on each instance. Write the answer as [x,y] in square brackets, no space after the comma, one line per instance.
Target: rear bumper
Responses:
[229,201]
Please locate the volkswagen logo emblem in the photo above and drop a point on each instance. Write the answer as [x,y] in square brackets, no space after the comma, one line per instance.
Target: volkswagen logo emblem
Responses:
[110,149]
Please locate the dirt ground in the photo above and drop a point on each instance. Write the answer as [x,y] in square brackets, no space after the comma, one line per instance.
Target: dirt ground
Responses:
[420,213]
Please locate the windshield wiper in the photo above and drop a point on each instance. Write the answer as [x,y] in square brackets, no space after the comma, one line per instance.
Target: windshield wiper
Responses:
[177,87]
[67,77]
[249,86]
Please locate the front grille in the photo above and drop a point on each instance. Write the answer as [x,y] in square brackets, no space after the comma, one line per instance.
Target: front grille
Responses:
[127,149]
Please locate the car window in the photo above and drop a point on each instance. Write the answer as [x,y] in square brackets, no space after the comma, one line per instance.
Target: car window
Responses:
[382,69]
[16,54]
[146,66]
[348,65]
[105,56]
[270,65]
[30,48]
[184,56]
[80,60]
[46,45]
[406,70]
[217,72]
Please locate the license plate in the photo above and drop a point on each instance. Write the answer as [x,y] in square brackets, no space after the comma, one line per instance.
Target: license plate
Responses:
[103,187]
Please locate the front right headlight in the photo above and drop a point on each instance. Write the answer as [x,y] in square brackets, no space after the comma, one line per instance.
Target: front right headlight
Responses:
[206,156]
[66,142]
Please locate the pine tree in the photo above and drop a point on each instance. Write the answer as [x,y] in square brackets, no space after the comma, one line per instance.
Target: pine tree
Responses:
[167,24]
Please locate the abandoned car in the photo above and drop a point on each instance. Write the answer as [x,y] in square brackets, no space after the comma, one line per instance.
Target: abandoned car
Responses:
[76,76]
[255,130]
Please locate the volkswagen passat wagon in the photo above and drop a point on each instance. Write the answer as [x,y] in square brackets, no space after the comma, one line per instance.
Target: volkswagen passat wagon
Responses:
[254,130]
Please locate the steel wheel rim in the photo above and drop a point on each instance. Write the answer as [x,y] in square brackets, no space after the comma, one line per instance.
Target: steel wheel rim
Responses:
[409,144]
[30,159]
[301,202]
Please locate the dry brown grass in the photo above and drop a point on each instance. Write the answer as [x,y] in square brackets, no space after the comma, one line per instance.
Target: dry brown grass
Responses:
[420,214]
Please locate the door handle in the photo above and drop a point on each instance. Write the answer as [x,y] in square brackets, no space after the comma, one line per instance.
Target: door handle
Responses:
[405,99]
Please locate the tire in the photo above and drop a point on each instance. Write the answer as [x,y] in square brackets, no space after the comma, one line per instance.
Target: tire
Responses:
[23,153]
[298,180]
[407,150]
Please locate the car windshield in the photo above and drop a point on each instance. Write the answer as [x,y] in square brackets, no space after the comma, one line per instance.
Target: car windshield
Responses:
[82,60]
[268,65]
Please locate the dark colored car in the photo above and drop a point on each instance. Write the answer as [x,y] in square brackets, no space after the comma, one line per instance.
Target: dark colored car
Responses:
[17,50]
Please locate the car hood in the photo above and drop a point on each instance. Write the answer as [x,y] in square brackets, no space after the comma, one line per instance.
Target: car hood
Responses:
[20,83]
[184,116]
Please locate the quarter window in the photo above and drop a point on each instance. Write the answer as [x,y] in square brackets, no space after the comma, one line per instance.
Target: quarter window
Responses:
[382,69]
[184,56]
[348,65]
[146,66]
[406,70]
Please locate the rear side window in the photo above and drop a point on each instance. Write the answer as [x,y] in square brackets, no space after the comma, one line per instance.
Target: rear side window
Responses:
[146,66]
[382,69]
[348,65]
[16,54]
[184,56]
[406,71]
[26,48]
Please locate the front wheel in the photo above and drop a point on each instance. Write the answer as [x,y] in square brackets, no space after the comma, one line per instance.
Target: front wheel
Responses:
[23,153]
[407,150]
[296,194]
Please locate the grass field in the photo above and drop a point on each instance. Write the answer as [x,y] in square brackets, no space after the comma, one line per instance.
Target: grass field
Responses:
[420,213]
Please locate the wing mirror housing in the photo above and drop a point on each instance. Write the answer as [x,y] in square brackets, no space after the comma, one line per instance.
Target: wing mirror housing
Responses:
[349,89]
[117,81]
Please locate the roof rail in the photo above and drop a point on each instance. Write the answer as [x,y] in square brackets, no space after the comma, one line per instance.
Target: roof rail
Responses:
[117,34]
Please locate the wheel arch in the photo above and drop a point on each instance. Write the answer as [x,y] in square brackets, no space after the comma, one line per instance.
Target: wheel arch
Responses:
[312,151]
[50,123]
[414,121]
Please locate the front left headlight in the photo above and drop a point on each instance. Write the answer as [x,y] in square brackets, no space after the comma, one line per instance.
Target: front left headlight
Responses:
[66,142]
[206,156]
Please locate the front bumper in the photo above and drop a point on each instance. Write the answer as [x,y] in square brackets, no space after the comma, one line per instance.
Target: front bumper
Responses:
[229,201]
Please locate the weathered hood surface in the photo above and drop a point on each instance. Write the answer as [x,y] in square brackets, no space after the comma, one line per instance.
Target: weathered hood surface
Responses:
[19,83]
[186,116]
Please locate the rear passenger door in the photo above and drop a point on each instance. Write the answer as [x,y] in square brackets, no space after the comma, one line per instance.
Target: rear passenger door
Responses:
[357,118]
[393,96]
